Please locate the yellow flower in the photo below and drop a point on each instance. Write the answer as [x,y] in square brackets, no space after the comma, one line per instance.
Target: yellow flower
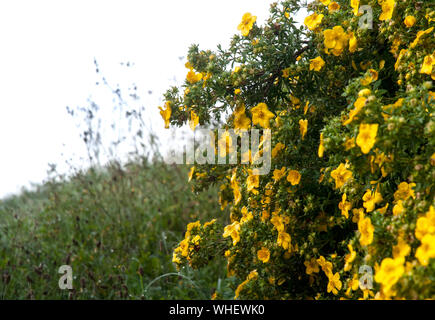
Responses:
[303,127]
[252,182]
[232,231]
[387,9]
[237,91]
[426,250]
[359,104]
[278,223]
[333,6]
[311,266]
[326,266]
[225,144]
[247,22]
[389,272]
[372,76]
[194,120]
[278,147]
[353,43]
[344,206]
[341,175]
[349,143]
[261,115]
[334,283]
[398,208]
[401,250]
[325,2]
[166,114]
[366,229]
[241,121]
[278,174]
[284,240]
[409,21]
[367,136]
[193,77]
[404,191]
[321,150]
[263,255]
[349,258]
[313,21]
[335,39]
[317,63]
[371,199]
[355,5]
[428,63]
[294,177]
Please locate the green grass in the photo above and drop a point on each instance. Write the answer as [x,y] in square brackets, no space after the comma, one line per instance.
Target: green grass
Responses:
[116,227]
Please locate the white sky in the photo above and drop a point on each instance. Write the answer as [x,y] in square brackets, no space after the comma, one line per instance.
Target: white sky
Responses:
[46,63]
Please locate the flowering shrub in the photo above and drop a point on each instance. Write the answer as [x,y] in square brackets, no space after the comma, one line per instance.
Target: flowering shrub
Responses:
[353,152]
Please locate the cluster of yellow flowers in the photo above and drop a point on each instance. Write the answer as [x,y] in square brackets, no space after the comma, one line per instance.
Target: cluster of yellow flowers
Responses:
[352,148]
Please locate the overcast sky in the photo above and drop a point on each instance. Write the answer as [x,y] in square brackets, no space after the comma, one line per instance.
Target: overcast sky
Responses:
[47,50]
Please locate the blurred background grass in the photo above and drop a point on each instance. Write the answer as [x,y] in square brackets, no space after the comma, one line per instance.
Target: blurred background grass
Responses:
[115,224]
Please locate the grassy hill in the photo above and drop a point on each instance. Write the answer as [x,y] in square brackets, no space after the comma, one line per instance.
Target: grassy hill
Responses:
[116,227]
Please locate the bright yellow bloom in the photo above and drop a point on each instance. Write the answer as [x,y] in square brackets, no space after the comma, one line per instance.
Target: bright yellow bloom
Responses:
[387,9]
[372,76]
[334,283]
[247,23]
[333,6]
[317,63]
[194,120]
[349,143]
[313,21]
[303,127]
[278,174]
[341,175]
[278,147]
[294,177]
[311,266]
[367,136]
[263,255]
[335,39]
[359,104]
[401,250]
[321,150]
[371,199]
[404,191]
[353,42]
[325,2]
[398,208]
[284,240]
[193,77]
[252,182]
[166,113]
[428,63]
[241,121]
[232,231]
[426,250]
[344,206]
[277,222]
[420,34]
[355,5]
[261,115]
[349,258]
[425,224]
[366,230]
[389,272]
[409,21]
